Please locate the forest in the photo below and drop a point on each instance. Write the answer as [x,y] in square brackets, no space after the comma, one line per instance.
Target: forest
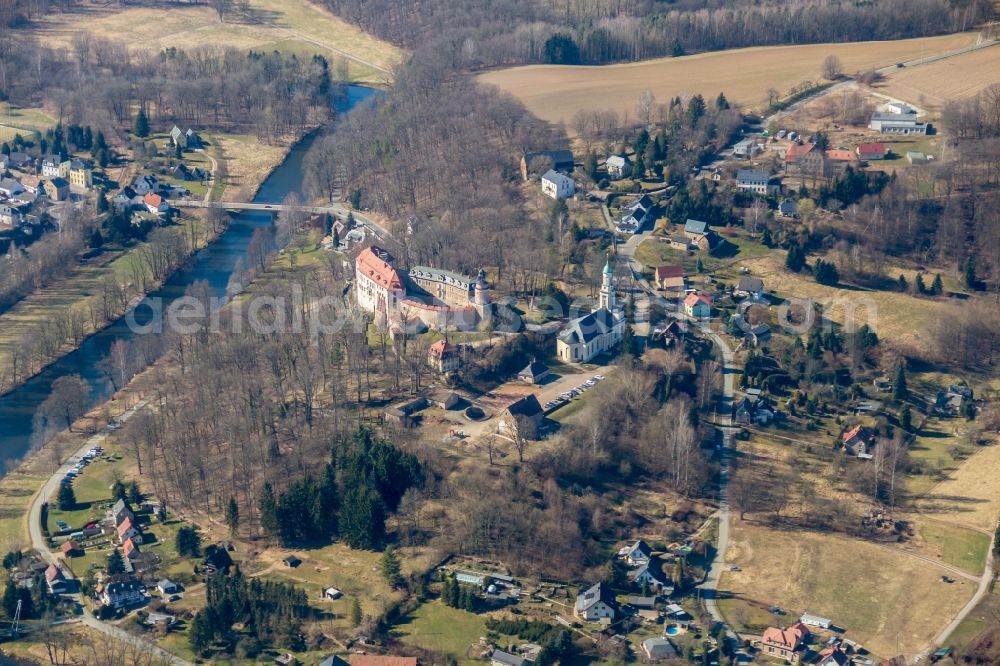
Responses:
[477,34]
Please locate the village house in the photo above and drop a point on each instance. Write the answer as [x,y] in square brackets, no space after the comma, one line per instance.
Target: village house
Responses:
[33,184]
[618,167]
[445,399]
[522,419]
[638,554]
[123,593]
[669,278]
[127,530]
[130,549]
[535,372]
[70,548]
[858,441]
[145,184]
[871,151]
[444,357]
[897,123]
[837,161]
[501,658]
[10,216]
[19,161]
[681,243]
[155,204]
[753,408]
[788,208]
[57,189]
[747,148]
[757,181]
[833,656]
[120,511]
[557,186]
[635,215]
[557,160]
[804,160]
[596,604]
[166,586]
[658,648]
[699,235]
[54,166]
[787,644]
[698,305]
[650,576]
[55,580]
[81,174]
[10,187]
[585,337]
[186,140]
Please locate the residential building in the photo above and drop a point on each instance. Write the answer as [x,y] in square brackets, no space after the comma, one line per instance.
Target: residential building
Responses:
[557,186]
[618,167]
[57,189]
[33,184]
[659,648]
[501,658]
[539,162]
[757,181]
[698,305]
[10,187]
[784,644]
[682,243]
[650,576]
[585,337]
[596,604]
[10,216]
[638,554]
[535,372]
[749,287]
[669,277]
[81,174]
[123,593]
[155,204]
[444,357]
[858,441]
[896,123]
[70,548]
[55,579]
[816,621]
[871,151]
[193,140]
[55,166]
[699,235]
[522,418]
[635,215]
[167,586]
[120,511]
[804,160]
[833,656]
[127,530]
[788,208]
[145,184]
[746,148]
[177,137]
[838,160]
[333,660]
[130,549]
[20,161]
[695,228]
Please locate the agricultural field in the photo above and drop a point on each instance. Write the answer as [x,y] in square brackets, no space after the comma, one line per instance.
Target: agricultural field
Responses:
[295,26]
[970,496]
[932,84]
[434,626]
[556,92]
[880,595]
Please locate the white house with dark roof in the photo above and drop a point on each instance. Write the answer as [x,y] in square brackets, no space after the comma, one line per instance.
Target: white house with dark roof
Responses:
[501,658]
[557,185]
[757,181]
[585,337]
[596,604]
[896,123]
[618,167]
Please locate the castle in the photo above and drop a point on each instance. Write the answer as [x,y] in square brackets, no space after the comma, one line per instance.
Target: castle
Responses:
[424,298]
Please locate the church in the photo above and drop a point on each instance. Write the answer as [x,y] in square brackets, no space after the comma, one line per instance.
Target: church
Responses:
[585,337]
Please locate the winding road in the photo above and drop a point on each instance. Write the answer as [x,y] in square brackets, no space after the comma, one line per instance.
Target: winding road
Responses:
[40,543]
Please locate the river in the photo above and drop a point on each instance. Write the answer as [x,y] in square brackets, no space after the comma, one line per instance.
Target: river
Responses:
[213,265]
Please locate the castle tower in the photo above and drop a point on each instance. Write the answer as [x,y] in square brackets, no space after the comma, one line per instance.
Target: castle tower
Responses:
[481,299]
[607,298]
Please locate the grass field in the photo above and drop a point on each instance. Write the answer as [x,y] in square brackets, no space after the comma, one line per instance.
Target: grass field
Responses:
[879,595]
[437,627]
[957,546]
[934,83]
[970,496]
[556,92]
[14,121]
[295,26]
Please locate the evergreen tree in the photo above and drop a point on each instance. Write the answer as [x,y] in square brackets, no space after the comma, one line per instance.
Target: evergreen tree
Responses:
[630,344]
[826,272]
[969,269]
[362,518]
[233,516]
[391,568]
[161,511]
[141,128]
[590,165]
[10,598]
[699,266]
[67,498]
[766,239]
[115,563]
[899,390]
[906,418]
[5,149]
[721,103]
[355,612]
[795,261]
[134,495]
[695,110]
[201,632]
[268,511]
[902,282]
[918,284]
[118,490]
[937,286]
[188,541]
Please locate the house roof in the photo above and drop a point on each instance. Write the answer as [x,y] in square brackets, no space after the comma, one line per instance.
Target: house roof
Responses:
[795,151]
[616,161]
[584,329]
[333,660]
[371,264]
[658,647]
[502,657]
[441,275]
[129,547]
[121,587]
[838,155]
[695,226]
[380,660]
[153,200]
[788,206]
[165,582]
[856,431]
[790,638]
[653,568]
[125,526]
[58,182]
[750,284]
[440,349]
[666,272]
[645,202]
[833,655]
[53,573]
[871,149]
[560,158]
[534,369]
[599,592]
[752,175]
[554,176]
[641,602]
[119,507]
[693,299]
[526,406]
[641,548]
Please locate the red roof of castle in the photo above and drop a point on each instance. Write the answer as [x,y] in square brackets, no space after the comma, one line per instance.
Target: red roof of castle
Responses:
[377,269]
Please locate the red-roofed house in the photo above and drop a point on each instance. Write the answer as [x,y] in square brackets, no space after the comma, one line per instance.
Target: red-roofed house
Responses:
[838,160]
[784,643]
[871,151]
[670,277]
[833,656]
[698,305]
[129,549]
[70,548]
[858,441]
[154,203]
[443,357]
[126,530]
[804,160]
[378,287]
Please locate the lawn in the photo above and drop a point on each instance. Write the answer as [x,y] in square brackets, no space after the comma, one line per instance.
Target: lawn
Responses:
[22,121]
[556,92]
[877,594]
[970,496]
[16,491]
[440,628]
[957,546]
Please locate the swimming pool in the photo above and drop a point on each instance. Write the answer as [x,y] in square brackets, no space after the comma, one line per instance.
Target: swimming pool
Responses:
[672,630]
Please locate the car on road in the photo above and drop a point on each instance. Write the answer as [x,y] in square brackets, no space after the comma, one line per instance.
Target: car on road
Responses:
[174,597]
[735,568]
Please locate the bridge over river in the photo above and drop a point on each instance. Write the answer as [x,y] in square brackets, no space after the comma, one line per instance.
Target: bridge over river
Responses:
[337,210]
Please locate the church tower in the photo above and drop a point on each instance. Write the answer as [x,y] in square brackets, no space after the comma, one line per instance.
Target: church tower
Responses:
[607,298]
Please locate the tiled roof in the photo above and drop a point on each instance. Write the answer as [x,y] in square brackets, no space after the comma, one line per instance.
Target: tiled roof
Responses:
[795,151]
[372,266]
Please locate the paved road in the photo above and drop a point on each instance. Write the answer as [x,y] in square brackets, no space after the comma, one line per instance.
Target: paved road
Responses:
[40,543]
[981,591]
